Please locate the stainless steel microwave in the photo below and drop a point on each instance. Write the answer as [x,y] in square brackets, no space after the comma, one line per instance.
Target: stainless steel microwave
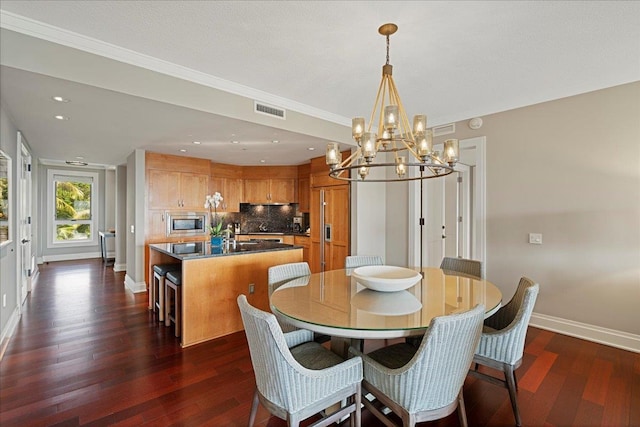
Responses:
[186,223]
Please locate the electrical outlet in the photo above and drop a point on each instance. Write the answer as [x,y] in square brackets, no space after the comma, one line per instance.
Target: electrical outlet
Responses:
[252,288]
[535,238]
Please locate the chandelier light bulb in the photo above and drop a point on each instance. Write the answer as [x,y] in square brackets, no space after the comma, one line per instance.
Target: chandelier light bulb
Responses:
[332,154]
[363,171]
[369,146]
[419,123]
[451,151]
[357,128]
[390,117]
[424,143]
[401,168]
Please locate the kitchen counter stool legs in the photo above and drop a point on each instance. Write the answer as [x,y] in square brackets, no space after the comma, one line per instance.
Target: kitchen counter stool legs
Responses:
[157,287]
[173,300]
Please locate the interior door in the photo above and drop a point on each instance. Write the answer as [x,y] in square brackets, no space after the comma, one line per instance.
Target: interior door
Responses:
[27,258]
[450,213]
[457,212]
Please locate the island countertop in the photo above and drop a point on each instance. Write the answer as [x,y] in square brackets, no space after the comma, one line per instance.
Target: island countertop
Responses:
[202,249]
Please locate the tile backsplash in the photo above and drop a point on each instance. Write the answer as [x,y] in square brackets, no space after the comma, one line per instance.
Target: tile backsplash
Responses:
[273,218]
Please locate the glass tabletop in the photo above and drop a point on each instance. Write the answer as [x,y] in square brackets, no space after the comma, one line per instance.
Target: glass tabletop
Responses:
[335,303]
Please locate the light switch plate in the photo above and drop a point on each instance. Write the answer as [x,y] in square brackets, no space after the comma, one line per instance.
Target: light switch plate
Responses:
[535,238]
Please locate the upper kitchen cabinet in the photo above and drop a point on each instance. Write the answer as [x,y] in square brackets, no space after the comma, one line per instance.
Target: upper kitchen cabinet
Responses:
[304,187]
[270,184]
[176,183]
[227,180]
[319,172]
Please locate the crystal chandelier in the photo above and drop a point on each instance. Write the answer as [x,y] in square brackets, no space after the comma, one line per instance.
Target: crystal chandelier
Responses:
[411,147]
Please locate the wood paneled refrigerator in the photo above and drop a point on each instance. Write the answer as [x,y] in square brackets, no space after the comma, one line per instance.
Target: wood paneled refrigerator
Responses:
[329,218]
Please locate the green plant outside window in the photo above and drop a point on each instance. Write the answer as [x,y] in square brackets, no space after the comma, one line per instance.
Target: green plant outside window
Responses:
[73,210]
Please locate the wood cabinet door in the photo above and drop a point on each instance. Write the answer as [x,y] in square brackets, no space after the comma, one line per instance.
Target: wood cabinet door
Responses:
[256,190]
[156,226]
[217,184]
[304,242]
[304,191]
[194,188]
[337,214]
[282,190]
[231,189]
[164,189]
[233,194]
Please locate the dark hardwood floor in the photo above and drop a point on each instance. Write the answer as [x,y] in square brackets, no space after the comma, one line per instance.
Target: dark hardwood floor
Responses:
[87,352]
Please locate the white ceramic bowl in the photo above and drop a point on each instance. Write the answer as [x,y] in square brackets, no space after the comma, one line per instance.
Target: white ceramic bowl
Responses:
[386,278]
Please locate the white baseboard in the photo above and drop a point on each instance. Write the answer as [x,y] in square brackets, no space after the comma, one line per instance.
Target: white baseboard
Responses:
[10,328]
[611,337]
[119,267]
[70,257]
[133,286]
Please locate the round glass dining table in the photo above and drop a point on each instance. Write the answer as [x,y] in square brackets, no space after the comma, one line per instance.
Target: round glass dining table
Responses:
[336,304]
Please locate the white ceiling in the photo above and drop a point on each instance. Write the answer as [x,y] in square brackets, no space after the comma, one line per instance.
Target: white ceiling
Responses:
[452,61]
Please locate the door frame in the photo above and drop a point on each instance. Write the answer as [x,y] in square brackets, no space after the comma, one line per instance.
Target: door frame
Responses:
[479,201]
[24,203]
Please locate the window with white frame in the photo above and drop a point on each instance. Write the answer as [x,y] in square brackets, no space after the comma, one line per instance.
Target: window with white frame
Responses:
[72,208]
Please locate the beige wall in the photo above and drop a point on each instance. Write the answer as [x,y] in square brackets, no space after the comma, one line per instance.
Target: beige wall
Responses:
[569,169]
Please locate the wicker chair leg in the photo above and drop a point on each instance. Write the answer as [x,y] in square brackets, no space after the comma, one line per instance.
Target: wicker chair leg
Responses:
[511,385]
[358,408]
[462,412]
[254,408]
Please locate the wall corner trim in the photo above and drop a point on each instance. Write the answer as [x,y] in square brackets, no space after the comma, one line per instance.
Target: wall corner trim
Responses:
[133,286]
[610,337]
[10,328]
[119,267]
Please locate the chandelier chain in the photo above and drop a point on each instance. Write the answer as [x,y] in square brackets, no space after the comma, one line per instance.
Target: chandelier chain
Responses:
[387,50]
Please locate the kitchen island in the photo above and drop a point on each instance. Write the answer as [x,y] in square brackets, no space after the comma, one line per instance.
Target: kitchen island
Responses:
[212,279]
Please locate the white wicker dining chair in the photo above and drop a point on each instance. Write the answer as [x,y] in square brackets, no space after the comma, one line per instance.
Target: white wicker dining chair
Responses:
[353,261]
[462,265]
[502,341]
[295,376]
[280,274]
[425,383]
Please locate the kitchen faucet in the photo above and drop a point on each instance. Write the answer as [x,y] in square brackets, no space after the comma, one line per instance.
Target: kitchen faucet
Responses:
[262,227]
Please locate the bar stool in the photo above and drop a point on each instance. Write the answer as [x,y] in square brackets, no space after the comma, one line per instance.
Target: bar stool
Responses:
[173,282]
[157,288]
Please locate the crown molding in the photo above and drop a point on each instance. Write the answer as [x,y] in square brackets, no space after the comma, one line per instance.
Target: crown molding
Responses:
[50,33]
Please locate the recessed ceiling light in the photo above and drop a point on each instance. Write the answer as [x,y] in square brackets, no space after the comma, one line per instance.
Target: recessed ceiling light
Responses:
[197,142]
[182,150]
[234,142]
[275,141]
[60,99]
[79,157]
[61,117]
[311,148]
[263,161]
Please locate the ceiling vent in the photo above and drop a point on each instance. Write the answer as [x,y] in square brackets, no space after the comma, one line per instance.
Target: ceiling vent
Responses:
[444,129]
[269,110]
